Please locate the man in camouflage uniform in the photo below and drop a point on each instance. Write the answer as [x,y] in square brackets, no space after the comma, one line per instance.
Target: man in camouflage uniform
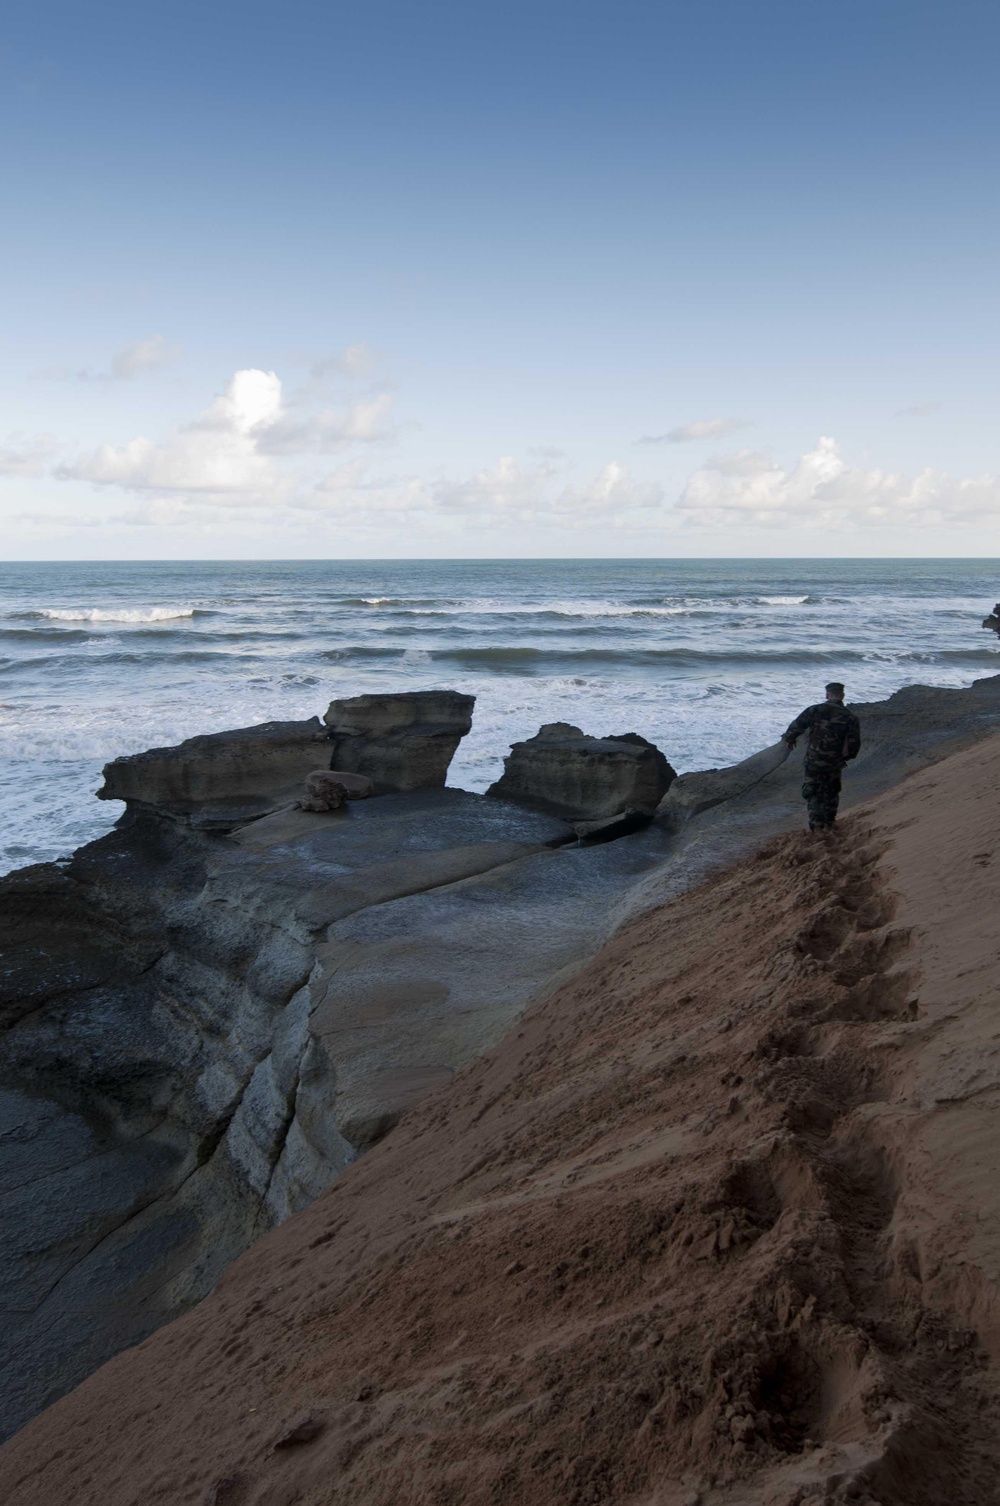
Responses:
[834,739]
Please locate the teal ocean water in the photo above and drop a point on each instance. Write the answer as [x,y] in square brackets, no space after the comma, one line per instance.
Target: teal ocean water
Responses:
[708,658]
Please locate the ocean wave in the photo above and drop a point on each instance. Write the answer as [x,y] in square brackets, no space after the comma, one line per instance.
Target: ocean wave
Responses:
[394,601]
[108,614]
[531,660]
[59,663]
[42,635]
[782,601]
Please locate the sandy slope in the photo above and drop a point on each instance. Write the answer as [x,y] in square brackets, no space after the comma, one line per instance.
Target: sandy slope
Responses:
[718,1223]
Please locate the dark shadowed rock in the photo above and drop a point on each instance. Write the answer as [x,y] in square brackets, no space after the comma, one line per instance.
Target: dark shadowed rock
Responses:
[610,828]
[402,742]
[222,778]
[563,771]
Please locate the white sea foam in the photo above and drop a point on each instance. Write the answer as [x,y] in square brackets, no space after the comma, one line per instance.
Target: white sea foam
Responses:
[782,601]
[113,614]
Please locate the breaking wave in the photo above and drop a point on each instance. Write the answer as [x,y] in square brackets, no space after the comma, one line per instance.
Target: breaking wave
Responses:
[109,614]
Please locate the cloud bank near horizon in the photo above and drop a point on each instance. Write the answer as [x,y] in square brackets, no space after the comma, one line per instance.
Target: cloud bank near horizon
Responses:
[258,455]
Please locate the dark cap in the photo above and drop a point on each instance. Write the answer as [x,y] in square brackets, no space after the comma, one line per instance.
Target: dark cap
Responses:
[835,687]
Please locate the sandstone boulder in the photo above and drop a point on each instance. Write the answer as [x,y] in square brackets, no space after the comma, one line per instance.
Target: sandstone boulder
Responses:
[402,742]
[327,789]
[563,771]
[691,794]
[222,778]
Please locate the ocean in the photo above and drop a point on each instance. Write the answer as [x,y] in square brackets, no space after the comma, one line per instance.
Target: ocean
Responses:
[708,658]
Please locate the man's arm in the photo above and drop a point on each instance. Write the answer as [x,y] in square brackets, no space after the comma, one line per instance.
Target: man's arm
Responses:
[852,740]
[795,730]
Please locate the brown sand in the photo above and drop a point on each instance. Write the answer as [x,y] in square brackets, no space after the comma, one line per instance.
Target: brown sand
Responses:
[719,1222]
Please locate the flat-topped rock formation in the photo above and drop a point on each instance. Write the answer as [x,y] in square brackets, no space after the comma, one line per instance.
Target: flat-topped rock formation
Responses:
[207,1017]
[563,771]
[224,777]
[402,742]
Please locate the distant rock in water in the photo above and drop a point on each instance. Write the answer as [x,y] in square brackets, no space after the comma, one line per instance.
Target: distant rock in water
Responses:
[993,620]
[566,773]
[223,778]
[402,742]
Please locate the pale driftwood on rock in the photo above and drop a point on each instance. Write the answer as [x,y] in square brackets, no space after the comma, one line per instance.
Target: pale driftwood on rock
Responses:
[563,771]
[402,742]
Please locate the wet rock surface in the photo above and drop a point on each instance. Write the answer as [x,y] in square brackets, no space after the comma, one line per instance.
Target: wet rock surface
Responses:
[563,771]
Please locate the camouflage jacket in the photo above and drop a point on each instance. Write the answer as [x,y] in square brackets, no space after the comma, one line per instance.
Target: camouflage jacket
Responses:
[834,735]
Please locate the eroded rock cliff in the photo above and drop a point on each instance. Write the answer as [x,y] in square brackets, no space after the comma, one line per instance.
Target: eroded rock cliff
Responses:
[206,1017]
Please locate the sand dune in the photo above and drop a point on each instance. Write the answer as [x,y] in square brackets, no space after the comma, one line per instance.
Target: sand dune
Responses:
[719,1222]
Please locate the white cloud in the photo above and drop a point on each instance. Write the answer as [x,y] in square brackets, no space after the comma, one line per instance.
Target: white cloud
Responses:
[822,489]
[505,490]
[364,422]
[350,492]
[26,455]
[609,494]
[511,492]
[217,454]
[702,428]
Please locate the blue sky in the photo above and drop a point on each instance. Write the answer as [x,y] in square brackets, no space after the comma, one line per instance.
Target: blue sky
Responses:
[468,279]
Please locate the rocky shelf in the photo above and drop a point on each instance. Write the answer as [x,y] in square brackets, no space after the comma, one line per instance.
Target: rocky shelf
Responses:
[209,1013]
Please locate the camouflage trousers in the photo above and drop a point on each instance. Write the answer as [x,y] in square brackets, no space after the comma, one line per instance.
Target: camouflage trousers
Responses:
[821,792]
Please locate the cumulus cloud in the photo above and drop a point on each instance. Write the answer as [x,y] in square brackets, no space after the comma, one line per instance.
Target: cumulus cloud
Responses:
[702,428]
[822,489]
[350,491]
[507,489]
[363,422]
[229,452]
[26,454]
[509,492]
[609,494]
[217,454]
